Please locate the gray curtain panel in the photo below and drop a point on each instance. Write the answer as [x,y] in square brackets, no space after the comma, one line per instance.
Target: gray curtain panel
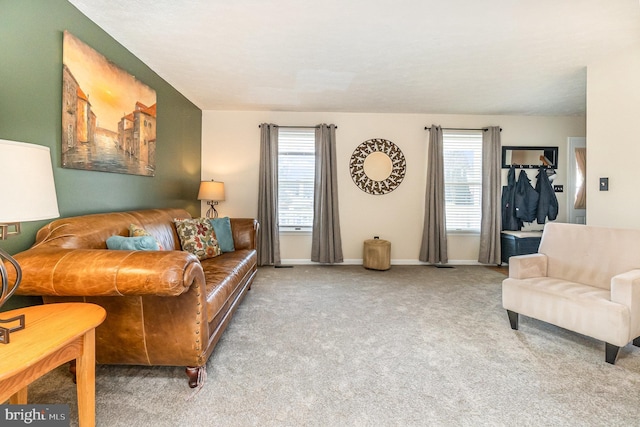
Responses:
[326,243]
[434,233]
[490,224]
[268,234]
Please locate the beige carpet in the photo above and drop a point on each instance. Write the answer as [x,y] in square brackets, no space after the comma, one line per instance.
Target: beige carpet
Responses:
[345,346]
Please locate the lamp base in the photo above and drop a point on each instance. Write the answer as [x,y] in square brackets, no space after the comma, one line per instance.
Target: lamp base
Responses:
[7,291]
[212,212]
[5,332]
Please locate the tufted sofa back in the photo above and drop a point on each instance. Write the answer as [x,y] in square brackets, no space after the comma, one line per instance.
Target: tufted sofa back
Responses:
[92,231]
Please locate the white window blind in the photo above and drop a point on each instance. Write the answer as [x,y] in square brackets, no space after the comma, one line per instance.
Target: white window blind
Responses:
[462,152]
[296,172]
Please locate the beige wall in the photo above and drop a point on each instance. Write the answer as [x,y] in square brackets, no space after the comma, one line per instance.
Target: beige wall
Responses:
[230,153]
[613,141]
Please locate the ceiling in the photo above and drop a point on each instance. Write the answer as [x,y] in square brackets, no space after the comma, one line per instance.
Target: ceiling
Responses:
[385,56]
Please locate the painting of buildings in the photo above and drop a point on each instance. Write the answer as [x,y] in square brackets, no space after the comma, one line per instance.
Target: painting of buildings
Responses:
[108,116]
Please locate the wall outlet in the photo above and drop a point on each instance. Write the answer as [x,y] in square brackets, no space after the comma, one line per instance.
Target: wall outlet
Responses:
[558,188]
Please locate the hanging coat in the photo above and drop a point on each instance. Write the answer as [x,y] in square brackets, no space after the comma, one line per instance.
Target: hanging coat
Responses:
[526,199]
[548,202]
[510,221]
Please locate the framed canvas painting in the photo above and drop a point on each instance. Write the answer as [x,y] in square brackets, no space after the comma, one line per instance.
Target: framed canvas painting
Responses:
[108,116]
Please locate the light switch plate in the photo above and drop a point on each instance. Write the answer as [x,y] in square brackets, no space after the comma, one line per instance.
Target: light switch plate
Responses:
[604,184]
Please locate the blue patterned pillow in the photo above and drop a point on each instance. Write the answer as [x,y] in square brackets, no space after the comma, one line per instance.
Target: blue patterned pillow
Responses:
[140,243]
[222,228]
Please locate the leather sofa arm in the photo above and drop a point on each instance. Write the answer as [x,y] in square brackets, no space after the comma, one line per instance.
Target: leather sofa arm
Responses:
[245,232]
[102,272]
[527,266]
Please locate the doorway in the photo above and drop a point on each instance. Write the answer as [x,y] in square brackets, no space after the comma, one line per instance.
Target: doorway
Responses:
[576,177]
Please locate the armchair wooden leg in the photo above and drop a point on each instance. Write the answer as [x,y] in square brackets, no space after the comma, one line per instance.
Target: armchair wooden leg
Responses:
[513,319]
[611,353]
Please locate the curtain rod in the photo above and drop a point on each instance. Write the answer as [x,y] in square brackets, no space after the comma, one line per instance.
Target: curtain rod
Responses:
[483,129]
[296,127]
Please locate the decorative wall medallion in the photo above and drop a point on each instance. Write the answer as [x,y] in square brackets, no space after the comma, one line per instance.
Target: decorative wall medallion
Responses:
[377,166]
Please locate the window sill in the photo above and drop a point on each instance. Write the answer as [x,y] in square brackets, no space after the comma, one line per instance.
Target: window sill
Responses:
[295,230]
[462,233]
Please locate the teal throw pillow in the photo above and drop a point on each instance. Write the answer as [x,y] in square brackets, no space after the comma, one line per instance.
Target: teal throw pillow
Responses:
[222,228]
[140,243]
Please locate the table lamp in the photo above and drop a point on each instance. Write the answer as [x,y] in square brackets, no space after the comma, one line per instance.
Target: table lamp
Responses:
[213,192]
[28,194]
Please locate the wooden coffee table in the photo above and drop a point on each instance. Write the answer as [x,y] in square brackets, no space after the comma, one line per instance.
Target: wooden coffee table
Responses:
[54,334]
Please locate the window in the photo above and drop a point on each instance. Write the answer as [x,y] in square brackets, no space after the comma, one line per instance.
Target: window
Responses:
[296,173]
[462,153]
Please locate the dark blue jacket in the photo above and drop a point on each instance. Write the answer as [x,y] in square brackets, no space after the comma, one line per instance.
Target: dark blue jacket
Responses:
[548,202]
[510,221]
[526,199]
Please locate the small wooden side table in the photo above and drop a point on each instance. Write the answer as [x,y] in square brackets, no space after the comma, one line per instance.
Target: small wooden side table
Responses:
[54,334]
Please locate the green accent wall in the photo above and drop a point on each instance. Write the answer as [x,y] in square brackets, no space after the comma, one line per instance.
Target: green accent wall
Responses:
[31,34]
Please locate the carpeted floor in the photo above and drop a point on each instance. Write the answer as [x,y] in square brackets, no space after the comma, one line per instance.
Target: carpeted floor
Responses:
[345,346]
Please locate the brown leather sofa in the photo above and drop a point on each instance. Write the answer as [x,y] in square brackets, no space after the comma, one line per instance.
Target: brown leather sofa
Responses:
[163,307]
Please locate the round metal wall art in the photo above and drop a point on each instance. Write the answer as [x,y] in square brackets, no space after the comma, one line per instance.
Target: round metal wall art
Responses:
[377,166]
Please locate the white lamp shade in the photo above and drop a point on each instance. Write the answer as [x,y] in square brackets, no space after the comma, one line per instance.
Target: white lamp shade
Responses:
[211,190]
[28,190]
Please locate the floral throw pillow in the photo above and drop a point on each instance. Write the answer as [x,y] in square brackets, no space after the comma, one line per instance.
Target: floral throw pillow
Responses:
[137,231]
[197,237]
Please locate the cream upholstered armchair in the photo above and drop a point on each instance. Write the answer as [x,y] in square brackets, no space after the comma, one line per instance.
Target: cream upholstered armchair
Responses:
[583,278]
